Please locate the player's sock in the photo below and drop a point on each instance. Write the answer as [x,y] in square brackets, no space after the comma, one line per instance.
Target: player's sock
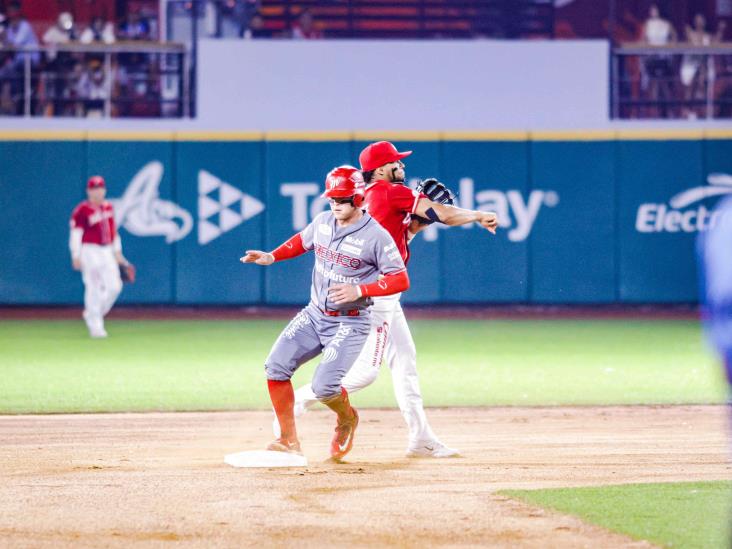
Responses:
[283,399]
[340,405]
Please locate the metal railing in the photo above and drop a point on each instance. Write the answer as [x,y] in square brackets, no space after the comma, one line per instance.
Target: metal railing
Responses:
[673,81]
[119,80]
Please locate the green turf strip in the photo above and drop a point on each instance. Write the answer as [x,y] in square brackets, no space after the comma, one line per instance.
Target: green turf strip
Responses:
[685,515]
[53,366]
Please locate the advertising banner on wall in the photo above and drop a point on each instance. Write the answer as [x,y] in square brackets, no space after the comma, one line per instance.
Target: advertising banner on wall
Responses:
[477,266]
[584,221]
[572,243]
[41,183]
[221,185]
[660,184]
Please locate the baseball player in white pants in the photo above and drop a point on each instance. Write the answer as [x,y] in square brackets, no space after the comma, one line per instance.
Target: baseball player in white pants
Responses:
[402,212]
[96,250]
[391,339]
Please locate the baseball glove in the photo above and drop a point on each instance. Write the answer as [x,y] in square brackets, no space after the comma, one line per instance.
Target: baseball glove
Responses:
[436,192]
[128,273]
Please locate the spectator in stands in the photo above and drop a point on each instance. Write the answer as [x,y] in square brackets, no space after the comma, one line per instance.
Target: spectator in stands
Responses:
[256,28]
[93,89]
[697,70]
[134,27]
[58,65]
[658,69]
[6,104]
[18,34]
[63,32]
[304,27]
[240,13]
[3,28]
[98,31]
[71,103]
[658,31]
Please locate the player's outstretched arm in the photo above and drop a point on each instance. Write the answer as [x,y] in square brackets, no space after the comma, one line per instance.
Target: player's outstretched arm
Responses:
[287,250]
[388,285]
[257,256]
[454,216]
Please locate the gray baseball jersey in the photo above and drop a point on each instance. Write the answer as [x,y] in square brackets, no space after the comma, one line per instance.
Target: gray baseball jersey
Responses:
[355,254]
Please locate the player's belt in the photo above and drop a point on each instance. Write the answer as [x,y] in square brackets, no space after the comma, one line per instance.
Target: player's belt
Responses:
[347,312]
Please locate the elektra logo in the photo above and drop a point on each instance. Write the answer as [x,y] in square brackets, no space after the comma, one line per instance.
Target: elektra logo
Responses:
[683,212]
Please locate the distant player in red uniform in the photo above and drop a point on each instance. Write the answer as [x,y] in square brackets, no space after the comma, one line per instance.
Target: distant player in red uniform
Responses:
[96,251]
[395,206]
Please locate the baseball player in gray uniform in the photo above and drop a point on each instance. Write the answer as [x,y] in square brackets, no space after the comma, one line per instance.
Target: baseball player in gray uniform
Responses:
[355,260]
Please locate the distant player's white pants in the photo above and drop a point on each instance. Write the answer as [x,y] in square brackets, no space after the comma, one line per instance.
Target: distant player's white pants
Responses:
[102,282]
[387,323]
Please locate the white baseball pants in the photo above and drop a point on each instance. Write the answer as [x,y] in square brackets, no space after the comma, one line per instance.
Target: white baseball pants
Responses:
[102,282]
[388,338]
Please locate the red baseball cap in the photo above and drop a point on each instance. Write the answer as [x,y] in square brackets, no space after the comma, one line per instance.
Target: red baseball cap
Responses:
[380,153]
[95,181]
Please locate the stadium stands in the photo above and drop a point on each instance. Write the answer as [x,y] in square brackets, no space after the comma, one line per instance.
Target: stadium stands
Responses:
[416,18]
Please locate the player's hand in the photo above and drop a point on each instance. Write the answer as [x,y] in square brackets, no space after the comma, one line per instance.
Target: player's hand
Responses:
[342,293]
[76,263]
[257,256]
[488,220]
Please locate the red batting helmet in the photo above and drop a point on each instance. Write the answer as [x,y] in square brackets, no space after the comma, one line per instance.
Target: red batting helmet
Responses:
[345,182]
[380,153]
[95,181]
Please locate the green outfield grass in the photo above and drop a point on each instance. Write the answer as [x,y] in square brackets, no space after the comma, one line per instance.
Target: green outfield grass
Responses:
[684,515]
[53,366]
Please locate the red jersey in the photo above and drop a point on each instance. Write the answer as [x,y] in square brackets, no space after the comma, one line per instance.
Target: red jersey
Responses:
[392,205]
[96,221]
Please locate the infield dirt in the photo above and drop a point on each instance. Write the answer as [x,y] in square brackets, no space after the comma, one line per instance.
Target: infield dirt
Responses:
[132,480]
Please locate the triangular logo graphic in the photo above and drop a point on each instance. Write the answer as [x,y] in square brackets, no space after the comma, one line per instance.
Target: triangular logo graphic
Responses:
[207,207]
[228,194]
[207,182]
[229,219]
[207,232]
[250,207]
[212,204]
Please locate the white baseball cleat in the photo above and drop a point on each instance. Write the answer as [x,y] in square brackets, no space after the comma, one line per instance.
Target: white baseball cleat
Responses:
[431,449]
[94,325]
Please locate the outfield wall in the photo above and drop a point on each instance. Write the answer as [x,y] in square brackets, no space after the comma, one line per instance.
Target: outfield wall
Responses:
[587,217]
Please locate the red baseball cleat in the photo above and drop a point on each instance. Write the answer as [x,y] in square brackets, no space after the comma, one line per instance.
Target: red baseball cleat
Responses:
[283,445]
[343,439]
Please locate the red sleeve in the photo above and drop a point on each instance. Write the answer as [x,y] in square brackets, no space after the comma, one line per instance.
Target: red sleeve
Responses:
[403,198]
[78,219]
[292,248]
[390,284]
